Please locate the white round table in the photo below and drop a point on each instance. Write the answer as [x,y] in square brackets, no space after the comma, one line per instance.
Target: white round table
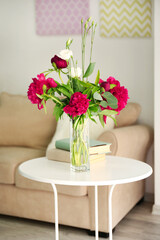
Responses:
[112,171]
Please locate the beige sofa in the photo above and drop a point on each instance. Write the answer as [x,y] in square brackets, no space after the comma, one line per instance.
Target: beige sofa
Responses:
[25,133]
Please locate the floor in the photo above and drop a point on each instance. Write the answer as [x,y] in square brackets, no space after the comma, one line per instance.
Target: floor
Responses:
[139,224]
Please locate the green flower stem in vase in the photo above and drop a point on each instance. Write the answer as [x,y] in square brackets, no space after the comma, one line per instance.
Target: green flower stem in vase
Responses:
[79,145]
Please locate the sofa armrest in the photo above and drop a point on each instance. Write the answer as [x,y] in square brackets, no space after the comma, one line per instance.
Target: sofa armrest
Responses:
[131,141]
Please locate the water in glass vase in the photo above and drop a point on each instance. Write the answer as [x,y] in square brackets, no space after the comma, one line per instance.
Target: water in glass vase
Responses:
[79,145]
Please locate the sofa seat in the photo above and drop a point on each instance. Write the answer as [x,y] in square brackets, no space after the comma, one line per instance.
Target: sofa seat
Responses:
[11,157]
[22,182]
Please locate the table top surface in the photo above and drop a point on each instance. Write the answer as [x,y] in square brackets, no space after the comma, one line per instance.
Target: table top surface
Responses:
[113,170]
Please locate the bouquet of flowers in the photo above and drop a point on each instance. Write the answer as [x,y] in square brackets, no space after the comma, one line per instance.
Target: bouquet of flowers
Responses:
[79,98]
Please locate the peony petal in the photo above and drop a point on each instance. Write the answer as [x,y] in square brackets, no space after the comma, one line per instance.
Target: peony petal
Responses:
[100,80]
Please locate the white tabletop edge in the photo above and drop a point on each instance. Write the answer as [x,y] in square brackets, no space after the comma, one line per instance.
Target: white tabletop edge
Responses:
[84,183]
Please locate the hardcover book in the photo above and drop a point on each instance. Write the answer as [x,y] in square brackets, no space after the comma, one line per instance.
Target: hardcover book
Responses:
[96,147]
[64,156]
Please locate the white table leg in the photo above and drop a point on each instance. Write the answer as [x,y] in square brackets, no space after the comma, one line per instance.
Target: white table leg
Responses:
[110,211]
[56,211]
[96,212]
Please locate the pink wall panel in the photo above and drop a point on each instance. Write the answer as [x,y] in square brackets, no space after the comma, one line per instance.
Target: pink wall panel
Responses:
[60,17]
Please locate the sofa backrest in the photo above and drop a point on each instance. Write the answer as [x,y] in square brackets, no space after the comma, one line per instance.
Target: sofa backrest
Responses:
[22,124]
[129,115]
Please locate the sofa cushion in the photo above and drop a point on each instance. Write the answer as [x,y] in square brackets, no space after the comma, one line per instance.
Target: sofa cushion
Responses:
[128,115]
[22,124]
[25,183]
[11,157]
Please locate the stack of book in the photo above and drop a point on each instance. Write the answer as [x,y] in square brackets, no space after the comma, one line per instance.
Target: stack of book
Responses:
[97,150]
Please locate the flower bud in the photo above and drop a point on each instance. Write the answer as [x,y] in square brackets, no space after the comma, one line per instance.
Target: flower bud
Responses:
[60,63]
[68,43]
[89,19]
[44,88]
[65,54]
[86,25]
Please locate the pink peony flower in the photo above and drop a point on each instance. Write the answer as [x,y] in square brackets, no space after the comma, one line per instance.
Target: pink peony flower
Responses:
[60,63]
[78,105]
[36,87]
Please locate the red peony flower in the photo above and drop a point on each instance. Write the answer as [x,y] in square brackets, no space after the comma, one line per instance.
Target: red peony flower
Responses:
[36,87]
[78,105]
[60,63]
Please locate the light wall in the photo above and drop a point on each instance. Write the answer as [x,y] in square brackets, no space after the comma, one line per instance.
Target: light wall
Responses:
[23,55]
[156,208]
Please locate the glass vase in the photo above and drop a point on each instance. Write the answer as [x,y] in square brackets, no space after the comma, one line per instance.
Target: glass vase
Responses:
[79,145]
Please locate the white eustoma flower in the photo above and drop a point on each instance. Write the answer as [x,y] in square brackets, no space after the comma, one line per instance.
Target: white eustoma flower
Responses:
[65,54]
[76,72]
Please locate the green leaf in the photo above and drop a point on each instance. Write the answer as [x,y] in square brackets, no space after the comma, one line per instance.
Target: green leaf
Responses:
[112,100]
[97,78]
[44,88]
[64,91]
[77,86]
[112,86]
[102,89]
[93,120]
[87,91]
[55,99]
[95,89]
[115,121]
[55,66]
[101,120]
[93,109]
[85,84]
[65,101]
[89,70]
[68,87]
[104,104]
[58,84]
[97,96]
[58,111]
[40,96]
[50,91]
[44,105]
[107,112]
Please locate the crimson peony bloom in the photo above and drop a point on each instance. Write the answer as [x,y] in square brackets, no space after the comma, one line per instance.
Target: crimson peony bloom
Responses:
[60,63]
[104,84]
[120,92]
[78,105]
[36,87]
[112,80]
